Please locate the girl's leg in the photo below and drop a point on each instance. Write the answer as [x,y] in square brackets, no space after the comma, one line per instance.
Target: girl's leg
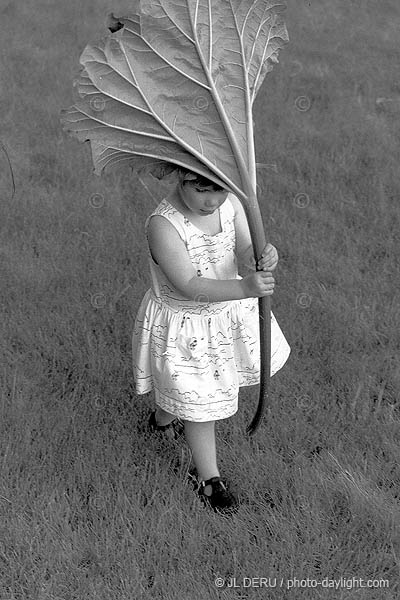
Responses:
[201,440]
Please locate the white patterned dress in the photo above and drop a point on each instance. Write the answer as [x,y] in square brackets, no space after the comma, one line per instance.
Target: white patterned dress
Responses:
[194,354]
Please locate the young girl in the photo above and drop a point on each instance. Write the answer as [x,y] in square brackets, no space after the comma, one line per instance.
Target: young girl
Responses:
[196,335]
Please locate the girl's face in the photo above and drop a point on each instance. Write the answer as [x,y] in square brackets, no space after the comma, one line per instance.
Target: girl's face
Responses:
[202,201]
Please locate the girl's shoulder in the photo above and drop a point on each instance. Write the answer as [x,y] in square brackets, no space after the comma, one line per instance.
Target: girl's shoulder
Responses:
[168,212]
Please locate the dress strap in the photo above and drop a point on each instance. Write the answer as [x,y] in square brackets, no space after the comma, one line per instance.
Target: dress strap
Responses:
[227,210]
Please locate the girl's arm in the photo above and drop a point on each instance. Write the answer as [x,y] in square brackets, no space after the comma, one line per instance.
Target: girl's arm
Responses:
[244,247]
[170,253]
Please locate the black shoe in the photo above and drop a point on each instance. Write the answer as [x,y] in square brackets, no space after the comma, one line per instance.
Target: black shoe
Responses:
[221,500]
[174,429]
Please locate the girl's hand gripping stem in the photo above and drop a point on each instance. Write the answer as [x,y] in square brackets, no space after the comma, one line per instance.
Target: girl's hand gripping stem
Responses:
[258,284]
[269,258]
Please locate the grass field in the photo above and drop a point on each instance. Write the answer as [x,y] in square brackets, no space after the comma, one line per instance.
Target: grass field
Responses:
[92,506]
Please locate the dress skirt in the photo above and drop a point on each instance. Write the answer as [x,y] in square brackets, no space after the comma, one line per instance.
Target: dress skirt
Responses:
[197,355]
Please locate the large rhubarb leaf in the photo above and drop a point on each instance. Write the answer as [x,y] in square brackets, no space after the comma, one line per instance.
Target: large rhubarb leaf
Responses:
[176,83]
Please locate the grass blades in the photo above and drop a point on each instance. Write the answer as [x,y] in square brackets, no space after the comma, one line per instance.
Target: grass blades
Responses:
[91,505]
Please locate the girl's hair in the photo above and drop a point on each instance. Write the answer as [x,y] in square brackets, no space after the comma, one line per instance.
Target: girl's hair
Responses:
[199,181]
